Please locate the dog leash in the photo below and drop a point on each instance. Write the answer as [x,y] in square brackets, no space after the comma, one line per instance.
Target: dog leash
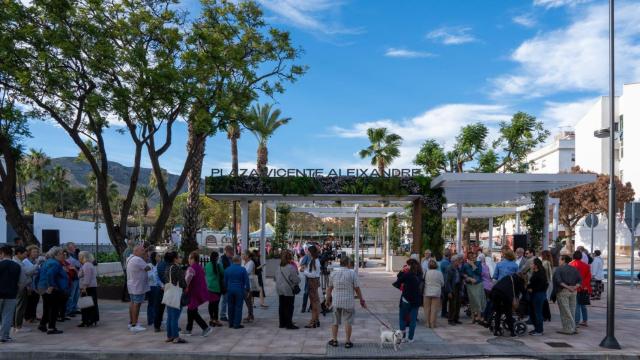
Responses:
[379,320]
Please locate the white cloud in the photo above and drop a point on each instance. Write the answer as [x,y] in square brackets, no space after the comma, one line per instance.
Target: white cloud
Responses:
[558,3]
[441,123]
[575,58]
[405,53]
[314,15]
[526,20]
[559,115]
[452,35]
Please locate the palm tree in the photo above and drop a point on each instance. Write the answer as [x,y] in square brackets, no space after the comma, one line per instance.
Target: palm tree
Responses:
[233,134]
[59,184]
[37,161]
[263,122]
[384,148]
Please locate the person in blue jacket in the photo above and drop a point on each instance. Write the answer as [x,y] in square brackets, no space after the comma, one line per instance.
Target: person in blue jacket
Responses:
[52,283]
[507,266]
[236,281]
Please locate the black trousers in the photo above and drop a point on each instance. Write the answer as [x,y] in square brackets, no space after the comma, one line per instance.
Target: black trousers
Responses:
[157,322]
[445,302]
[62,306]
[194,315]
[285,310]
[91,315]
[51,309]
[454,304]
[214,309]
[32,305]
[502,306]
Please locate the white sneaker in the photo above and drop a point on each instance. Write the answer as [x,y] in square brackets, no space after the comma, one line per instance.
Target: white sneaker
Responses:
[21,330]
[137,328]
[207,331]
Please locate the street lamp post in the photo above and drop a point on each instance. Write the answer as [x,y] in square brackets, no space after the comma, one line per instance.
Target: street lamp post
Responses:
[610,341]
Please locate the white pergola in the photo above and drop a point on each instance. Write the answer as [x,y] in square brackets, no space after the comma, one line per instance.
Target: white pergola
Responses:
[510,191]
[323,206]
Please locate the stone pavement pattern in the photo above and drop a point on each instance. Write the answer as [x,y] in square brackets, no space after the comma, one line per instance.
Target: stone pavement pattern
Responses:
[263,338]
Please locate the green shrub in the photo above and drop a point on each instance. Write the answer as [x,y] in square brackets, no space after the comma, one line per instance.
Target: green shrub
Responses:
[105,257]
[111,280]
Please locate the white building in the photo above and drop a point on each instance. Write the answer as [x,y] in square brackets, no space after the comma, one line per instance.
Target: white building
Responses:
[556,157]
[592,153]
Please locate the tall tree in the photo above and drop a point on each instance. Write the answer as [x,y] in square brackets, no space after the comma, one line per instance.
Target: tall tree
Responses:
[59,183]
[37,162]
[578,202]
[384,148]
[263,122]
[13,129]
[233,56]
[234,130]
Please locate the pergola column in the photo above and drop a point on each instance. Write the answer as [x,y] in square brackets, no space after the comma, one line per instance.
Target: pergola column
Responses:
[263,240]
[416,248]
[459,228]
[556,219]
[491,233]
[545,234]
[244,225]
[356,241]
[387,239]
[517,222]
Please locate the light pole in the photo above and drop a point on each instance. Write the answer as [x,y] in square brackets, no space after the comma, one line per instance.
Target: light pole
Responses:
[610,341]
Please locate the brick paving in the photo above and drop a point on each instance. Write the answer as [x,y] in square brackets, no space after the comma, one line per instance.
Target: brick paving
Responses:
[111,340]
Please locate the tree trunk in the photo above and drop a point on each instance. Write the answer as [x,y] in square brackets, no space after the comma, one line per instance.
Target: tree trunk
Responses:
[192,208]
[234,172]
[380,168]
[263,158]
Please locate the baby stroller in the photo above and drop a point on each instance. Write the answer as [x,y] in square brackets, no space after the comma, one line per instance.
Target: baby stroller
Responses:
[519,325]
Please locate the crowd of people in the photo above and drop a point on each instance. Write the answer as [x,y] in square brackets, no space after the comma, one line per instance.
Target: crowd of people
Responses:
[521,282]
[518,287]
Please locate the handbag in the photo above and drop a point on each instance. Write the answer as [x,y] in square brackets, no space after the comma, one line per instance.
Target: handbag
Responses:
[583,298]
[85,302]
[172,294]
[295,289]
[516,302]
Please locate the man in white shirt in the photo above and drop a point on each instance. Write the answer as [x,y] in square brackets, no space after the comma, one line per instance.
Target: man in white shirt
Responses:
[137,284]
[343,285]
[597,274]
[425,262]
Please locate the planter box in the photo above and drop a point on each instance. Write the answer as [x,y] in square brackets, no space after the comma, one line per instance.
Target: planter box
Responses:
[270,267]
[110,292]
[397,262]
[110,269]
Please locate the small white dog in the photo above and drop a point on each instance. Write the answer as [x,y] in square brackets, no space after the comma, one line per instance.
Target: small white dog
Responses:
[390,336]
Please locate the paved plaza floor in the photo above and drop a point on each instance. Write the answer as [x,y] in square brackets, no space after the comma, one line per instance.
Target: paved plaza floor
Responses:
[263,339]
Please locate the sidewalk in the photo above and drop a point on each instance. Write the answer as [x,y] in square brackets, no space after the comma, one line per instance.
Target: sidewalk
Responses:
[263,339]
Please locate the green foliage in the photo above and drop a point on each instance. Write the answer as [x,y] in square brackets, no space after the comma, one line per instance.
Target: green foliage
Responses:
[282,227]
[384,148]
[431,157]
[535,219]
[105,257]
[213,214]
[111,280]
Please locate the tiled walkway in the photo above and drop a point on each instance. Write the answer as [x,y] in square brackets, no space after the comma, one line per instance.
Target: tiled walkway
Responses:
[111,340]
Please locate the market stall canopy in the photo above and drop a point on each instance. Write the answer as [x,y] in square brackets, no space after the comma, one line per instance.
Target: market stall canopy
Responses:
[268,232]
[482,188]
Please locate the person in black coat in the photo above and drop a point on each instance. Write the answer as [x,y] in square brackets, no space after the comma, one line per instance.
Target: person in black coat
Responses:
[502,295]
[537,290]
[411,298]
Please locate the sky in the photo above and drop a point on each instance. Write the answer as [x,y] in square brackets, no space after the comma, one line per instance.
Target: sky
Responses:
[421,68]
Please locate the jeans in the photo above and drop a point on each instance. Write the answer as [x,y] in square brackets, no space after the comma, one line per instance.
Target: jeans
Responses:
[74,295]
[214,308]
[305,295]
[235,299]
[152,306]
[581,310]
[537,301]
[173,315]
[223,307]
[7,308]
[412,311]
[159,311]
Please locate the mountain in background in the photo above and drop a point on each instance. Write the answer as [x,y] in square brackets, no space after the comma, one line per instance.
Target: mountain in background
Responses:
[120,175]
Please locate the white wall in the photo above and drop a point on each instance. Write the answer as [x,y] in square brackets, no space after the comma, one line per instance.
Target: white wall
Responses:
[592,153]
[79,232]
[630,107]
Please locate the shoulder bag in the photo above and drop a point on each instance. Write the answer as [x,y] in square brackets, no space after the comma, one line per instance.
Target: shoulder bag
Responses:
[295,289]
[172,293]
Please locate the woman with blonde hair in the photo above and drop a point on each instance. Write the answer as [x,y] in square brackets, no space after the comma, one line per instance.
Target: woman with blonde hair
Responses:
[286,280]
[433,283]
[88,287]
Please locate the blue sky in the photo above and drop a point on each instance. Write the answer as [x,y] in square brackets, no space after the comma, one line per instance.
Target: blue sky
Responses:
[422,68]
